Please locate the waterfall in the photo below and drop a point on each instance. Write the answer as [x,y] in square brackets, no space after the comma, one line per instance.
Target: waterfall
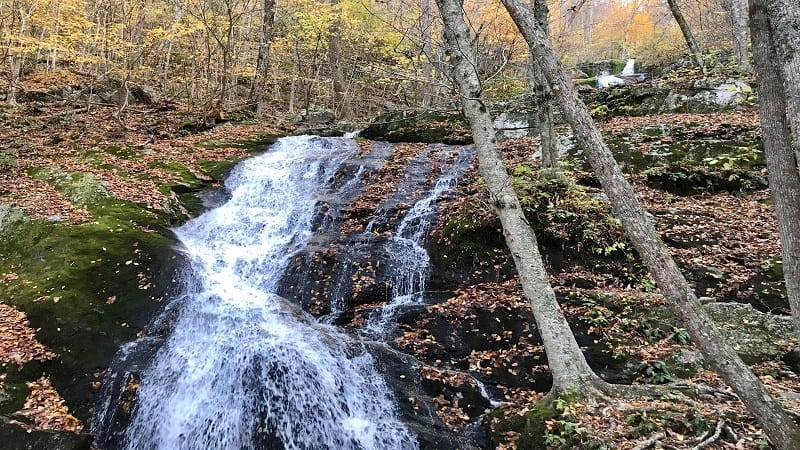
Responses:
[243,368]
[408,261]
[629,68]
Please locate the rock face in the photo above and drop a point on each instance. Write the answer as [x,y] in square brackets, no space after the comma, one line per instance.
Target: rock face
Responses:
[756,336]
[514,119]
[698,96]
[14,437]
[447,126]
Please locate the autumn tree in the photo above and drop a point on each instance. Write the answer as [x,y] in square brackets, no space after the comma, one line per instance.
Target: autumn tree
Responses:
[642,234]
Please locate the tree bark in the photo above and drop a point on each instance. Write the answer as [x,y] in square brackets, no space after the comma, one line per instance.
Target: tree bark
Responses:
[687,32]
[784,18]
[738,12]
[778,426]
[544,104]
[262,61]
[571,372]
[782,170]
[341,105]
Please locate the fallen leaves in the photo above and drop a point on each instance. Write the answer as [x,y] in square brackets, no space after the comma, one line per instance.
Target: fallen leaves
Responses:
[18,343]
[44,409]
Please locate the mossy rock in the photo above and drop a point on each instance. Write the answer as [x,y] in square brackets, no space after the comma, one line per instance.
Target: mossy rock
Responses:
[430,126]
[756,336]
[82,189]
[86,288]
[531,426]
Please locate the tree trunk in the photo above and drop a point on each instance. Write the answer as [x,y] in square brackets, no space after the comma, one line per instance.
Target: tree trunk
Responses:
[738,12]
[687,32]
[778,426]
[544,104]
[784,18]
[426,34]
[262,61]
[567,364]
[341,107]
[16,72]
[784,177]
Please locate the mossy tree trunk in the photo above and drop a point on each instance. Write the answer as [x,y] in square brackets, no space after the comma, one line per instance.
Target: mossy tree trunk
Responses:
[544,104]
[784,16]
[778,426]
[782,167]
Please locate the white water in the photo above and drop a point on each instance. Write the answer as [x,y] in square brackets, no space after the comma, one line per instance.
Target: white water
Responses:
[243,368]
[409,261]
[630,67]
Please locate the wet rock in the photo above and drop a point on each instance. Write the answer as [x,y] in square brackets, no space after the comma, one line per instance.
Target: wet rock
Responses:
[14,437]
[415,396]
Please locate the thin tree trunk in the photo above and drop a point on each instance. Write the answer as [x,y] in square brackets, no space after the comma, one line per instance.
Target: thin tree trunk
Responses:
[17,59]
[571,372]
[340,103]
[687,32]
[738,12]
[262,61]
[426,34]
[784,178]
[16,72]
[544,104]
[778,426]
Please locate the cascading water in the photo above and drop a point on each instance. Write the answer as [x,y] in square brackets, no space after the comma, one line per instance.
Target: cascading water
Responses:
[408,260]
[243,368]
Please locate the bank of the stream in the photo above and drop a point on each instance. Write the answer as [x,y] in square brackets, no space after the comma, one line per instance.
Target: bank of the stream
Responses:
[88,255]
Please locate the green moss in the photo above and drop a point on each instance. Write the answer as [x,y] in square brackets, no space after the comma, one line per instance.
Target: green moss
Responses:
[531,426]
[85,288]
[466,242]
[80,188]
[561,210]
[217,170]
[122,152]
[257,142]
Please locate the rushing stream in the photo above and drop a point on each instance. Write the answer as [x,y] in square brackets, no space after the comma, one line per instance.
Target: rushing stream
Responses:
[242,368]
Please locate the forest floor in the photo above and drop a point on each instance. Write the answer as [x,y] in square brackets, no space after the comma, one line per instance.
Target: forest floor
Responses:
[724,242]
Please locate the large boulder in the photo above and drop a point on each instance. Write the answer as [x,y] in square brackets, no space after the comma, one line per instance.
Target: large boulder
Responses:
[756,336]
[697,96]
[445,126]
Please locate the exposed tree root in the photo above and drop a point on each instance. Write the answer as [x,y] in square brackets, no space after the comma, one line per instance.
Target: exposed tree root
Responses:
[652,441]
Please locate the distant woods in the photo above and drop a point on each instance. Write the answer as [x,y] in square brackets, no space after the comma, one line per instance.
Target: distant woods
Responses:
[353,57]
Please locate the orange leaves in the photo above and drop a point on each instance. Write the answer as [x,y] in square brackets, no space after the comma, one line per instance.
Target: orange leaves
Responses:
[44,409]
[18,344]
